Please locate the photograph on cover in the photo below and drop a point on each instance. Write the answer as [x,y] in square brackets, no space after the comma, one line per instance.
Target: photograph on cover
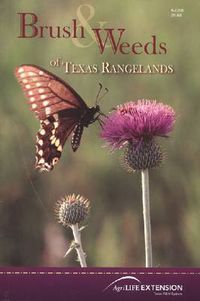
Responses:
[100,150]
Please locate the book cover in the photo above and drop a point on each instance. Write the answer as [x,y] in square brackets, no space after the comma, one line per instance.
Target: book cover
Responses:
[99,149]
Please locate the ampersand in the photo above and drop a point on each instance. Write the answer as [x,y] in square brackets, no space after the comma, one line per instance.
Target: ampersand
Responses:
[90,11]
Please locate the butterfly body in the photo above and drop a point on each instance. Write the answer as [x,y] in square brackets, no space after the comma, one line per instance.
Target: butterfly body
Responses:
[86,119]
[59,108]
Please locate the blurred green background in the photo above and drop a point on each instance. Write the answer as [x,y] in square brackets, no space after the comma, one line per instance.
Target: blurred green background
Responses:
[29,234]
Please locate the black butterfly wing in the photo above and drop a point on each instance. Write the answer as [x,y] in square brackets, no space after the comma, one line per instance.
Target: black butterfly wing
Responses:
[52,136]
[47,93]
[58,107]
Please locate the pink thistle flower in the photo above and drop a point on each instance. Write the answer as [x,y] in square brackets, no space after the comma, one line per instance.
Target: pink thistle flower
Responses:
[136,122]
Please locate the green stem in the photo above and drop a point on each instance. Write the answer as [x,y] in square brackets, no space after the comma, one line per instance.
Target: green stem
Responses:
[79,248]
[147,218]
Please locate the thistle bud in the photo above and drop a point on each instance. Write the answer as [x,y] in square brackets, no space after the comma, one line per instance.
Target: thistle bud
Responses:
[72,209]
[147,154]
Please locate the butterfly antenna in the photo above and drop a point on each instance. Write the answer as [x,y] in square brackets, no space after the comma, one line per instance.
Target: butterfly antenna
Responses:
[97,97]
[102,96]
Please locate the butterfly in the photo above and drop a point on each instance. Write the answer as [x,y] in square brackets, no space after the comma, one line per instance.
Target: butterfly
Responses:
[60,110]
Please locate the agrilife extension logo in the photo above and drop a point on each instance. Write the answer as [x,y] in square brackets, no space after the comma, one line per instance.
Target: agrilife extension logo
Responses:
[130,284]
